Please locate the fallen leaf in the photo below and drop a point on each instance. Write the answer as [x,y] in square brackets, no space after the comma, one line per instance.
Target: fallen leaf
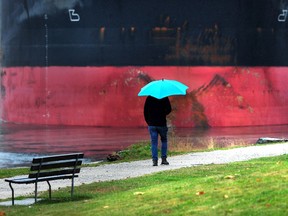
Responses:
[229,177]
[200,193]
[138,193]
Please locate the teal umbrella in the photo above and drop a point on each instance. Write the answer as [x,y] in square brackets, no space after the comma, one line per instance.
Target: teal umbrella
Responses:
[163,88]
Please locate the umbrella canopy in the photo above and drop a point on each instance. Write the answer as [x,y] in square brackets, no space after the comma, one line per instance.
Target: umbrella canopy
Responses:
[163,88]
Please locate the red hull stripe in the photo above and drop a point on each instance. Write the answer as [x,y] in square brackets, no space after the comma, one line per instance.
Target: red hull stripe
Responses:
[107,96]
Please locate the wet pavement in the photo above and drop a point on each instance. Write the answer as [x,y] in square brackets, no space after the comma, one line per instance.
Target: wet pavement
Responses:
[20,143]
[117,171]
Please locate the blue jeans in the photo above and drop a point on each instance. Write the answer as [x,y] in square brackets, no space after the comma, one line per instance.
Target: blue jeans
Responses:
[154,132]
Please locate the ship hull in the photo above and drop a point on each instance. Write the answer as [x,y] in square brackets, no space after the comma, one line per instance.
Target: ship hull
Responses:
[83,62]
[107,96]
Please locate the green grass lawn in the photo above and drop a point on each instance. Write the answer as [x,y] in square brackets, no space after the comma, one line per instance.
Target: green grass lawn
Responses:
[256,187]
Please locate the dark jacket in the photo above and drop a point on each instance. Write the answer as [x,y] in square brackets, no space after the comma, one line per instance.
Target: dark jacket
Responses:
[155,111]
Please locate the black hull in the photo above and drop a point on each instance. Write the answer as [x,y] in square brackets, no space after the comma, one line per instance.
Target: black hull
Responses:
[145,32]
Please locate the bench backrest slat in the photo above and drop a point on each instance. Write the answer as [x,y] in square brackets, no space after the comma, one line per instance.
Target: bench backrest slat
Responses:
[66,164]
[45,166]
[58,158]
[54,173]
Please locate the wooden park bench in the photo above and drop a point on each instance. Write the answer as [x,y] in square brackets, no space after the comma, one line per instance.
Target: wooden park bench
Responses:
[55,167]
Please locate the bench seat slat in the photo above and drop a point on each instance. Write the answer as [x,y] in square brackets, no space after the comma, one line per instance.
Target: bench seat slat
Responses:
[33,180]
[35,167]
[54,173]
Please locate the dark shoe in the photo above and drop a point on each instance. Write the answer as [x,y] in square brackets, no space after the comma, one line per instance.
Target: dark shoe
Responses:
[155,162]
[164,161]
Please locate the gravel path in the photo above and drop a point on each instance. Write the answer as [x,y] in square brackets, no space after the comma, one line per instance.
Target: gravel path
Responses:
[138,168]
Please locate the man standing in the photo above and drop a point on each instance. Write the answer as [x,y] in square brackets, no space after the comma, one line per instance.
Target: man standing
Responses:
[155,112]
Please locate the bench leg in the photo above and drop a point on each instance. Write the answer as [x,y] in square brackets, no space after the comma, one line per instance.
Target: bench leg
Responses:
[10,185]
[49,189]
[35,192]
[72,187]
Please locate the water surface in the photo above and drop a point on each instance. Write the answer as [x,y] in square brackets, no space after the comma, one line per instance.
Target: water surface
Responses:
[20,143]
